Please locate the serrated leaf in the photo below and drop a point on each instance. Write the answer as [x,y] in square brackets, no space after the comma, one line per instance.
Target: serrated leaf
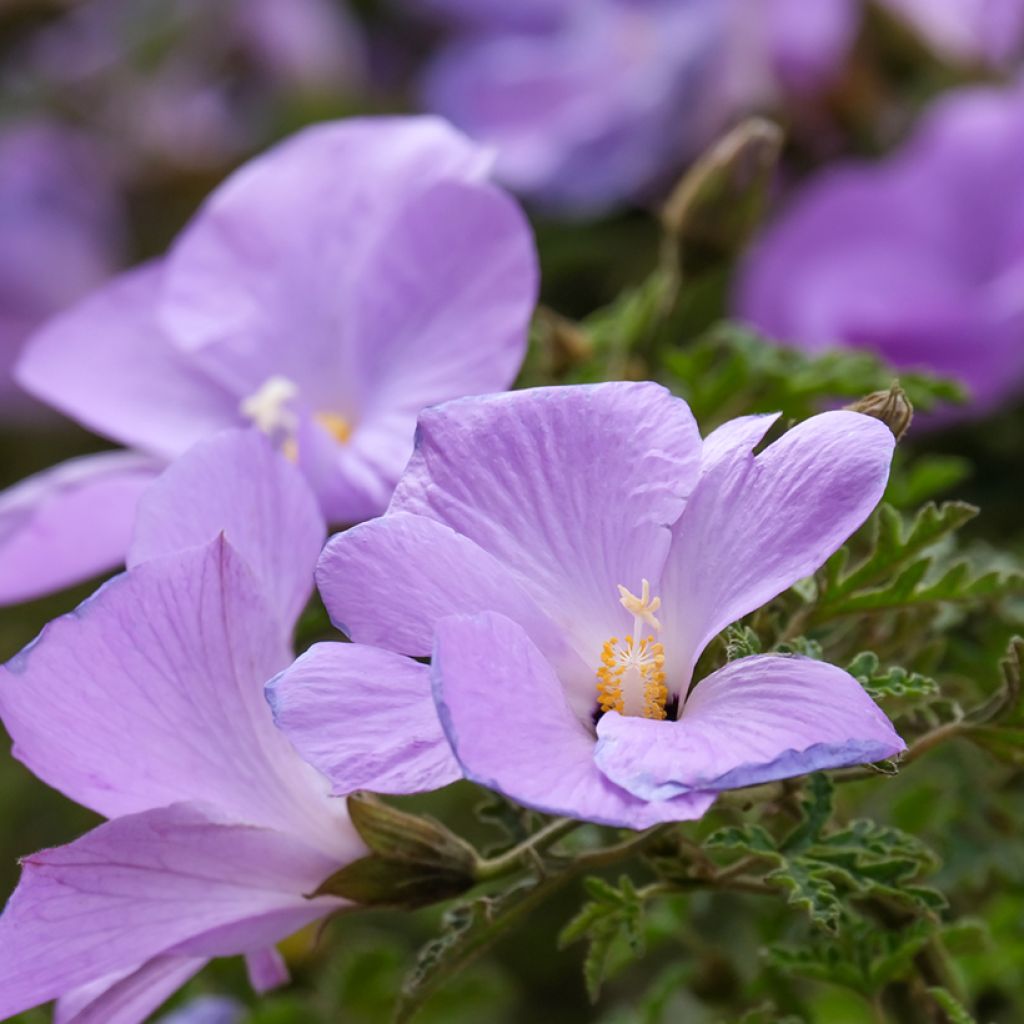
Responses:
[613,914]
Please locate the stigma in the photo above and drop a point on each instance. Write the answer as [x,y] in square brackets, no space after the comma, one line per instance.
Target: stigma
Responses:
[631,678]
[272,409]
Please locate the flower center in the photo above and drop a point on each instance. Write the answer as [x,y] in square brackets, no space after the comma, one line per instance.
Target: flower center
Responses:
[631,679]
[272,409]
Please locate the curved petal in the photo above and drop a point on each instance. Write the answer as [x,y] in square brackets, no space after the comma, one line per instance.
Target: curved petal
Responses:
[128,996]
[69,523]
[505,715]
[365,718]
[144,885]
[262,282]
[267,969]
[572,488]
[151,692]
[757,524]
[445,300]
[235,483]
[756,720]
[107,364]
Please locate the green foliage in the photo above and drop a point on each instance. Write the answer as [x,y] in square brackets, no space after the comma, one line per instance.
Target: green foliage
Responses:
[902,567]
[952,1007]
[823,871]
[613,914]
[732,371]
[890,683]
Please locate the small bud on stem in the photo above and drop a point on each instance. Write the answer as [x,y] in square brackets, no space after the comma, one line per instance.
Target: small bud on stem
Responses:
[892,407]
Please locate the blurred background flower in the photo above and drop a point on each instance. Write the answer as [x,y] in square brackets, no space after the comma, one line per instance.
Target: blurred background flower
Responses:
[919,257]
[61,233]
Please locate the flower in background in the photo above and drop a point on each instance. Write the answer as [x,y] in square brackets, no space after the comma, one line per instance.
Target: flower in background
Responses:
[146,704]
[60,234]
[327,292]
[566,554]
[968,31]
[919,257]
[192,84]
[590,103]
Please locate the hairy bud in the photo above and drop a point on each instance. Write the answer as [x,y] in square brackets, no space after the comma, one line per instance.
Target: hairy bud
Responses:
[413,861]
[892,407]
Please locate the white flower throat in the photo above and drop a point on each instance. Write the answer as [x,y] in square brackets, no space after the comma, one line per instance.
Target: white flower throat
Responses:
[631,679]
[271,407]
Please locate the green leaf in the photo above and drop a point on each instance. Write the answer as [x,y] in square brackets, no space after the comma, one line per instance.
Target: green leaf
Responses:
[953,1009]
[890,683]
[741,642]
[613,914]
[902,568]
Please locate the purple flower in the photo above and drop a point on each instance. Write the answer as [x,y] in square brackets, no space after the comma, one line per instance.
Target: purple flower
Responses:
[327,291]
[190,83]
[565,555]
[593,102]
[919,257]
[60,234]
[146,705]
[989,31]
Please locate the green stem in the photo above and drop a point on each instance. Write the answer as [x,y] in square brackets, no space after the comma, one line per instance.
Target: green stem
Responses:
[517,858]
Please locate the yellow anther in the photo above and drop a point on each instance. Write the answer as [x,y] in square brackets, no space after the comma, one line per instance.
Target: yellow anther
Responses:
[337,426]
[631,679]
[643,607]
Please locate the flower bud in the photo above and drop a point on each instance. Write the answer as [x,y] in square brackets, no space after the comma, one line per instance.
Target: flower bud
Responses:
[892,407]
[720,201]
[413,861]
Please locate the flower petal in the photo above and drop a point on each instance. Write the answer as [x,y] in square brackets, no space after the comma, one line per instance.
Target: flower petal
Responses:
[151,692]
[758,719]
[261,282]
[505,715]
[107,364]
[149,884]
[757,524]
[235,483]
[573,489]
[69,523]
[455,283]
[267,969]
[127,996]
[365,718]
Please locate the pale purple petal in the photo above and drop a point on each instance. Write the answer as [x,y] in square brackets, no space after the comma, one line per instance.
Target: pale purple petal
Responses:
[506,717]
[389,582]
[919,257]
[757,524]
[572,489]
[69,523]
[267,969]
[127,996]
[968,30]
[235,483]
[261,283]
[148,884]
[756,720]
[152,692]
[107,364]
[593,111]
[365,718]
[454,285]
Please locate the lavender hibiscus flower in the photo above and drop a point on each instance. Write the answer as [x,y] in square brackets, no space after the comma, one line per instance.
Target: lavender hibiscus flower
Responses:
[146,704]
[60,235]
[327,291]
[919,257]
[566,554]
[593,102]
